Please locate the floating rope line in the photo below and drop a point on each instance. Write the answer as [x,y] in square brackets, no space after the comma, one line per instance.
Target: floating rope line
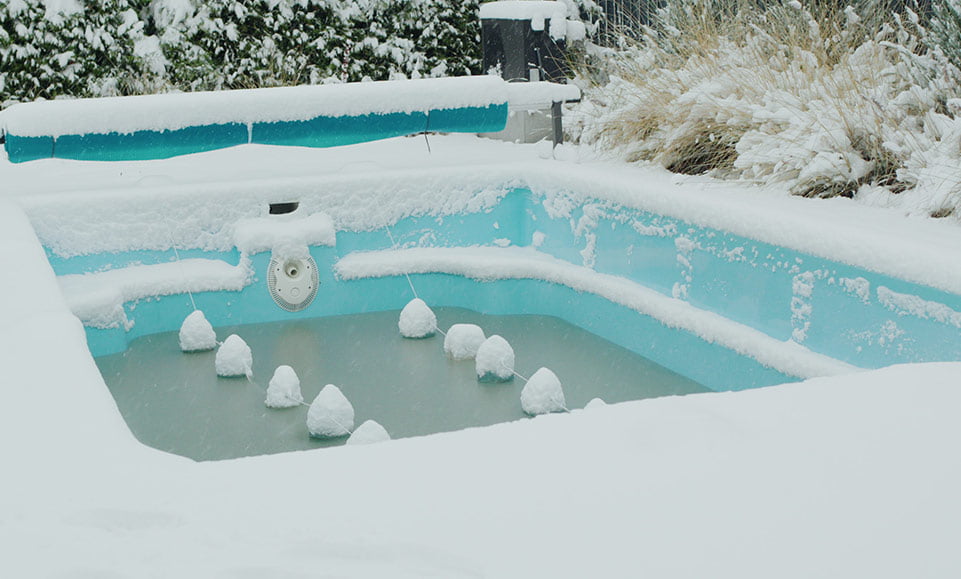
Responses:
[250,379]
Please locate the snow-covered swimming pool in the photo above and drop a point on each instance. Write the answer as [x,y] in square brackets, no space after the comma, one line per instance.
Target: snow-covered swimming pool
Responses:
[623,473]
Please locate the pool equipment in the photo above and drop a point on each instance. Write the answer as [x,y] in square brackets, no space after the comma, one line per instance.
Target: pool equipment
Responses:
[292,281]
[283,391]
[234,358]
[543,394]
[495,360]
[369,432]
[330,415]
[463,340]
[196,333]
[417,320]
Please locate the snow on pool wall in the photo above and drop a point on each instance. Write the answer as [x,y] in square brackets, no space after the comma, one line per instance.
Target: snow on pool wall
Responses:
[865,319]
[162,126]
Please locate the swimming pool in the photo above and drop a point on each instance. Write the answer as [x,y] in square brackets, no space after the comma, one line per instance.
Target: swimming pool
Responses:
[611,470]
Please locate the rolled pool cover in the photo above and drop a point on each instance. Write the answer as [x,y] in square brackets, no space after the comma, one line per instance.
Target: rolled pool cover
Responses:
[161,126]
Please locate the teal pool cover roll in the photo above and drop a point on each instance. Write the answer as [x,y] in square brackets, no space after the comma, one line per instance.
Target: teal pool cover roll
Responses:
[162,126]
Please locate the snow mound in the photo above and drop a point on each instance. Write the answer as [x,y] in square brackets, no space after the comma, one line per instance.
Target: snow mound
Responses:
[283,391]
[196,333]
[278,232]
[495,360]
[368,433]
[463,340]
[417,320]
[543,394]
[595,403]
[331,414]
[234,357]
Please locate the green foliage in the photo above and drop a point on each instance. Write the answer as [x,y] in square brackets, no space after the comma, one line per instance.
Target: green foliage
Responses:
[83,53]
[132,46]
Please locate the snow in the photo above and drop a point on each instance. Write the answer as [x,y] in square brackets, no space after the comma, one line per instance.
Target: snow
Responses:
[234,358]
[174,111]
[98,298]
[417,320]
[283,390]
[369,432]
[331,414]
[196,333]
[595,403]
[463,340]
[494,361]
[543,393]
[283,232]
[535,96]
[56,10]
[904,304]
[494,263]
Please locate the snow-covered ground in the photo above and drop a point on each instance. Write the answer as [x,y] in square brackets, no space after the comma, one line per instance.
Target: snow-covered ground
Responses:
[850,476]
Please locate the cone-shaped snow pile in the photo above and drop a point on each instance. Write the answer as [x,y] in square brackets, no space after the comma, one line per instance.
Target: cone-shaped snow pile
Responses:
[234,357]
[284,389]
[368,433]
[417,320]
[543,394]
[463,340]
[196,333]
[594,403]
[330,414]
[495,360]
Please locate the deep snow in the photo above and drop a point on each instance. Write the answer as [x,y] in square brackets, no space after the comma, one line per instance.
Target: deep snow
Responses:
[846,476]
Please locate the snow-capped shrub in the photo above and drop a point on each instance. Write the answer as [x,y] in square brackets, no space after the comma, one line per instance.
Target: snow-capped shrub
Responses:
[55,49]
[818,99]
[132,46]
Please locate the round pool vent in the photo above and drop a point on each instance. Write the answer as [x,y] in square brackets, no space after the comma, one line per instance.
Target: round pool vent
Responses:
[292,281]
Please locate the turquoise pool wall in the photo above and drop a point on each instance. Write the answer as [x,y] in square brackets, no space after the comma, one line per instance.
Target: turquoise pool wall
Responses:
[866,319]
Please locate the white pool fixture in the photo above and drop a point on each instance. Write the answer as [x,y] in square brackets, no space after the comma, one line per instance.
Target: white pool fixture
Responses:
[594,403]
[196,333]
[543,394]
[331,414]
[463,340]
[292,280]
[417,320]
[495,360]
[234,358]
[283,391]
[368,433]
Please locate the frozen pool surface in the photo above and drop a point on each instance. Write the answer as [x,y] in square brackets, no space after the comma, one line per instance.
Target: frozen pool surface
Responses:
[176,402]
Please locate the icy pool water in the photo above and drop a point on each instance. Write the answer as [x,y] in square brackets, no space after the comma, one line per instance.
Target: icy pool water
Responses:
[175,402]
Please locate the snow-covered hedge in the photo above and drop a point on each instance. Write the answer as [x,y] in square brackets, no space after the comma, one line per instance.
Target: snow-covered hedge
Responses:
[822,101]
[55,48]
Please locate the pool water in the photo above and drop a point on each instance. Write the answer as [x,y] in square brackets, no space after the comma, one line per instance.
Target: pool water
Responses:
[175,402]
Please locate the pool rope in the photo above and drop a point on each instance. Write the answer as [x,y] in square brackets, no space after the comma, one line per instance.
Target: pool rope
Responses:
[180,265]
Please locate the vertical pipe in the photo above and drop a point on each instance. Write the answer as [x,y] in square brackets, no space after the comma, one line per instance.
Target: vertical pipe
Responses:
[558,124]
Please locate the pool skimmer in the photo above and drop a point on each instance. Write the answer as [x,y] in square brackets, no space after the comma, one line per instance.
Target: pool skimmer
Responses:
[292,281]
